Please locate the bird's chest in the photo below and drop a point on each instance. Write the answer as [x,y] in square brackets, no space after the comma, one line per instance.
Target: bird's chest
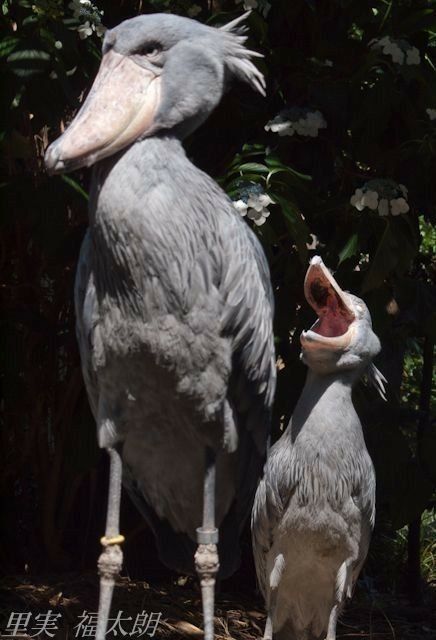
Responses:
[156,331]
[155,334]
[326,465]
[149,296]
[161,372]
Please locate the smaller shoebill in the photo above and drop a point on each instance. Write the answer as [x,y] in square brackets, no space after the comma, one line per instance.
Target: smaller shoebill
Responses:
[314,509]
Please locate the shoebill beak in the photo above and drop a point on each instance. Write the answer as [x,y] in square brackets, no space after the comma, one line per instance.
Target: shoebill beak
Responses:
[334,327]
[119,108]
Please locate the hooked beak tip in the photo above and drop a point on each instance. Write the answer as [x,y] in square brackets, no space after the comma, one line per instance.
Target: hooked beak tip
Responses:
[52,161]
[316,260]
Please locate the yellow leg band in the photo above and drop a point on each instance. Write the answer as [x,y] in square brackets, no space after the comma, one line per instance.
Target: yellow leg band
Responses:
[106,542]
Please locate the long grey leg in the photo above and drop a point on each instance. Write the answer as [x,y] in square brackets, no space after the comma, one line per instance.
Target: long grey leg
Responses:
[206,556]
[111,560]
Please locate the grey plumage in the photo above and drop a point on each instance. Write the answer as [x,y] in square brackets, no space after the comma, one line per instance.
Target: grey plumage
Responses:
[173,300]
[184,308]
[314,509]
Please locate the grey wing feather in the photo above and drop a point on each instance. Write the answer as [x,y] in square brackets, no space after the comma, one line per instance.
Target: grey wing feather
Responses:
[366,504]
[261,535]
[247,317]
[272,497]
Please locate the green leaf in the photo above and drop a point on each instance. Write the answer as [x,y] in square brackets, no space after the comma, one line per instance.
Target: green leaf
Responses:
[76,186]
[350,249]
[384,261]
[249,177]
[277,165]
[28,62]
[248,151]
[249,167]
[273,162]
[30,20]
[255,167]
[253,149]
[7,45]
[232,185]
[289,172]
[297,226]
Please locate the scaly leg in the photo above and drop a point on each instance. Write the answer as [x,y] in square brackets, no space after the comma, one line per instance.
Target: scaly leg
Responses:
[111,560]
[206,556]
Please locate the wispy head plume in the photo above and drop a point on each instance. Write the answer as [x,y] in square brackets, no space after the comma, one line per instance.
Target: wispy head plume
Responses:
[237,58]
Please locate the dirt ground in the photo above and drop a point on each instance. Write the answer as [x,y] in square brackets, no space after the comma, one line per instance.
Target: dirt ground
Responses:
[178,602]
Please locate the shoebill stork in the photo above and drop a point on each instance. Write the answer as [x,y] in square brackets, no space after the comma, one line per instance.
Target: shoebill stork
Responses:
[173,299]
[314,509]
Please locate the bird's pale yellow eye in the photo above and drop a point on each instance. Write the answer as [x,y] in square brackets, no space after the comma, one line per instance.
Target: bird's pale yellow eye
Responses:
[150,50]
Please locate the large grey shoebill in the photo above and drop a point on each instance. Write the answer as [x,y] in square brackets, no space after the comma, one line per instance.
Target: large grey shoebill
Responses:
[173,299]
[314,509]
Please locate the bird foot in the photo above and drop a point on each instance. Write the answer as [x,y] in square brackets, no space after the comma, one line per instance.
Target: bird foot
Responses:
[207,565]
[207,562]
[110,562]
[109,566]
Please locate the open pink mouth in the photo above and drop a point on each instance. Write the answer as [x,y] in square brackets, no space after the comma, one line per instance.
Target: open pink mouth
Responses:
[334,316]
[324,295]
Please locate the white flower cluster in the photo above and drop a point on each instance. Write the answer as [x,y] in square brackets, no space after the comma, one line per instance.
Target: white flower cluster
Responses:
[254,204]
[302,121]
[263,6]
[385,196]
[89,16]
[431,113]
[401,51]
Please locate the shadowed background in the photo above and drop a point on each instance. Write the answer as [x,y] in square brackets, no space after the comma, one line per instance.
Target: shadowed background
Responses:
[318,56]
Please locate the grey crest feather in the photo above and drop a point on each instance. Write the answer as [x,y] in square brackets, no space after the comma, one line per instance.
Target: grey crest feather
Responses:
[238,58]
[376,379]
[231,26]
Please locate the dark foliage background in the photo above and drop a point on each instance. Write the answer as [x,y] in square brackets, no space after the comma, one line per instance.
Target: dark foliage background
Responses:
[378,112]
